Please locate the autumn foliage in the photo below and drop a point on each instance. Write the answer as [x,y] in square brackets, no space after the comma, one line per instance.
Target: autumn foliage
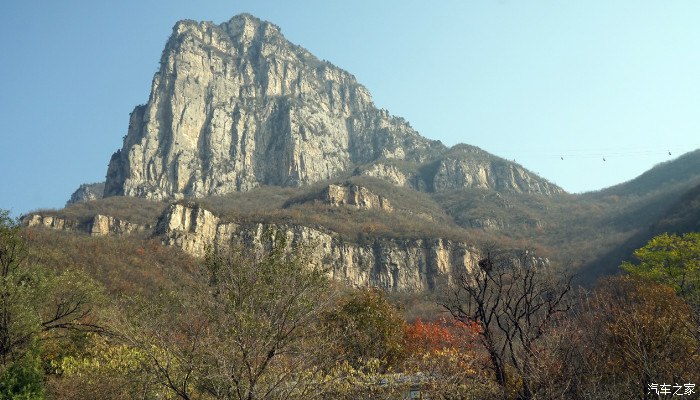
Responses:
[441,334]
[164,325]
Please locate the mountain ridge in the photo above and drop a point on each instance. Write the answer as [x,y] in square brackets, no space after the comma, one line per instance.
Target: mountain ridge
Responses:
[655,178]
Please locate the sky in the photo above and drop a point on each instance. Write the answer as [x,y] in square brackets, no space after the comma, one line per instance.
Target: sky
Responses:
[555,85]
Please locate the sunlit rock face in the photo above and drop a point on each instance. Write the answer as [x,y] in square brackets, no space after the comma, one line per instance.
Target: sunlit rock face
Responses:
[99,225]
[87,192]
[403,265]
[236,105]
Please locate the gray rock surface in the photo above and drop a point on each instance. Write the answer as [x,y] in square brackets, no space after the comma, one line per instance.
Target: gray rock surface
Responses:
[406,265]
[87,192]
[470,167]
[389,173]
[103,225]
[355,196]
[99,225]
[236,105]
[48,221]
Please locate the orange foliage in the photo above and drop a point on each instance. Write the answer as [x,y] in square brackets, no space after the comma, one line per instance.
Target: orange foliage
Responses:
[429,337]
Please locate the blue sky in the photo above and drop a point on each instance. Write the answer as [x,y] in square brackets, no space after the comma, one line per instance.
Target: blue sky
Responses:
[532,81]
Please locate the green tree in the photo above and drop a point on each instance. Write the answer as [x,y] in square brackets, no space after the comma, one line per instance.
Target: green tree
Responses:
[366,326]
[673,260]
[36,305]
[23,380]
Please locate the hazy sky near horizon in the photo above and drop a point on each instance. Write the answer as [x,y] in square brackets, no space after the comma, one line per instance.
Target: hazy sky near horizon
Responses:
[531,81]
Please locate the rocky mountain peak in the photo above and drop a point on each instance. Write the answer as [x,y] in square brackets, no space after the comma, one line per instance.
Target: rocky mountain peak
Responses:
[236,105]
[245,27]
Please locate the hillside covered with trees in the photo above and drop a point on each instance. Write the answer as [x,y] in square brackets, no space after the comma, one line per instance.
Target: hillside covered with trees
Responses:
[127,318]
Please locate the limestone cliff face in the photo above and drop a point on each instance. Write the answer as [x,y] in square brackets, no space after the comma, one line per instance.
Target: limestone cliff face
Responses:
[389,173]
[87,192]
[99,225]
[347,194]
[236,105]
[52,222]
[103,225]
[355,196]
[397,265]
[470,167]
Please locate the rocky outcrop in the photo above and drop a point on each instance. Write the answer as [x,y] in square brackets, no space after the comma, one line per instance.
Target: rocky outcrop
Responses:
[408,265]
[387,172]
[99,225]
[236,105]
[486,223]
[470,167]
[347,194]
[103,225]
[87,192]
[355,196]
[49,221]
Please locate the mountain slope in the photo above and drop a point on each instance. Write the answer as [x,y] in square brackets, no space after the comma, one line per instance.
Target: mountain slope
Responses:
[683,216]
[681,170]
[664,199]
[679,216]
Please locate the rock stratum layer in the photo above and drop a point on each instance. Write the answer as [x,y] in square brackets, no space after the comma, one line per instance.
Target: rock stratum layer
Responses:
[236,105]
[99,225]
[406,265]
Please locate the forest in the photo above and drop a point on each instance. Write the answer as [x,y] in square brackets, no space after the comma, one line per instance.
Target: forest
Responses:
[129,319]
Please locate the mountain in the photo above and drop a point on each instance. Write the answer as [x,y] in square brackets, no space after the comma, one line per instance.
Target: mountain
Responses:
[247,136]
[235,106]
[665,198]
[679,171]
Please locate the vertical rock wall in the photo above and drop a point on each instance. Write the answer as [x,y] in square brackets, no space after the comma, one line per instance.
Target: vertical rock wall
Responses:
[405,265]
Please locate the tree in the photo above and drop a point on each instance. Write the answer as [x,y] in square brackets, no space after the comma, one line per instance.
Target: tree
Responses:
[36,305]
[443,354]
[442,334]
[673,260]
[103,369]
[366,327]
[630,333]
[514,300]
[248,331]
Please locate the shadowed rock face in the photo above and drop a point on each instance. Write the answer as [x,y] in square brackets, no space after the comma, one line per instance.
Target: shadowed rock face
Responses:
[236,105]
